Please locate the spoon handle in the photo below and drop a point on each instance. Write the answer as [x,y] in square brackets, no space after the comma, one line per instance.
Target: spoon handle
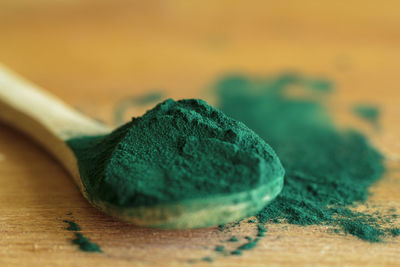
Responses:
[43,117]
[26,102]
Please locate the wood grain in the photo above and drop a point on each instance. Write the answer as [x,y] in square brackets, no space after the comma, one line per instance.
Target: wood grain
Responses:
[94,53]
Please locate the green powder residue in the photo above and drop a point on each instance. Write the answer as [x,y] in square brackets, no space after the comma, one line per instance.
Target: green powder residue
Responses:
[84,243]
[177,151]
[261,230]
[233,239]
[327,169]
[208,259]
[220,248]
[236,252]
[369,113]
[72,226]
[249,245]
[395,232]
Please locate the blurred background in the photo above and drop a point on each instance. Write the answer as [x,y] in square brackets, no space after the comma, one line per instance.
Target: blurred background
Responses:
[94,53]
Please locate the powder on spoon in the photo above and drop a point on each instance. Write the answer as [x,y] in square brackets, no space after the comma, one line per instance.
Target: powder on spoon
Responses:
[177,151]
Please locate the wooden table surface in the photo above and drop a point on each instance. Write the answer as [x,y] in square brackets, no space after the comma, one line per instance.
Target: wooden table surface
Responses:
[92,54]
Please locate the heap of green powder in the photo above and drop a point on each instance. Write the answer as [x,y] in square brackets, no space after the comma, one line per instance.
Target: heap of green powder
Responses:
[327,169]
[179,150]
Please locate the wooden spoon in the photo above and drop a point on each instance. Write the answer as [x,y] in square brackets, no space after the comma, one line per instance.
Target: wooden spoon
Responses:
[51,123]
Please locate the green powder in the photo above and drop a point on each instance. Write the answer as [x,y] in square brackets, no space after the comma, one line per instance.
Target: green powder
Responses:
[177,151]
[208,259]
[236,252]
[249,245]
[261,230]
[233,239]
[85,244]
[80,240]
[220,248]
[368,112]
[327,169]
[72,226]
[395,232]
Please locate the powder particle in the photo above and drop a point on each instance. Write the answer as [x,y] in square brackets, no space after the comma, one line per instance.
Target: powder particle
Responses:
[368,112]
[85,244]
[327,169]
[72,226]
[220,248]
[233,239]
[236,252]
[249,245]
[261,230]
[319,84]
[208,259]
[363,231]
[395,232]
[80,240]
[177,151]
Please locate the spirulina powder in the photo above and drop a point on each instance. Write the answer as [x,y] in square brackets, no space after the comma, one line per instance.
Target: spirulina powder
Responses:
[328,170]
[177,151]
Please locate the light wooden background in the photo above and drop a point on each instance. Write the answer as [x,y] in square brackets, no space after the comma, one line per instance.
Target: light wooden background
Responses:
[94,53]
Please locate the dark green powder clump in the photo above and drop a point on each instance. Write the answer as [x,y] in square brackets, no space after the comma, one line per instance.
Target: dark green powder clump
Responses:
[395,232]
[233,239]
[236,252]
[368,112]
[327,169]
[249,245]
[219,248]
[85,244]
[72,226]
[177,151]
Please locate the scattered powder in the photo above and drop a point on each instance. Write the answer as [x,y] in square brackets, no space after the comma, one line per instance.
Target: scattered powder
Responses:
[261,230]
[369,113]
[249,245]
[208,259]
[72,226]
[177,151]
[395,232]
[236,252]
[84,243]
[327,169]
[233,239]
[219,248]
